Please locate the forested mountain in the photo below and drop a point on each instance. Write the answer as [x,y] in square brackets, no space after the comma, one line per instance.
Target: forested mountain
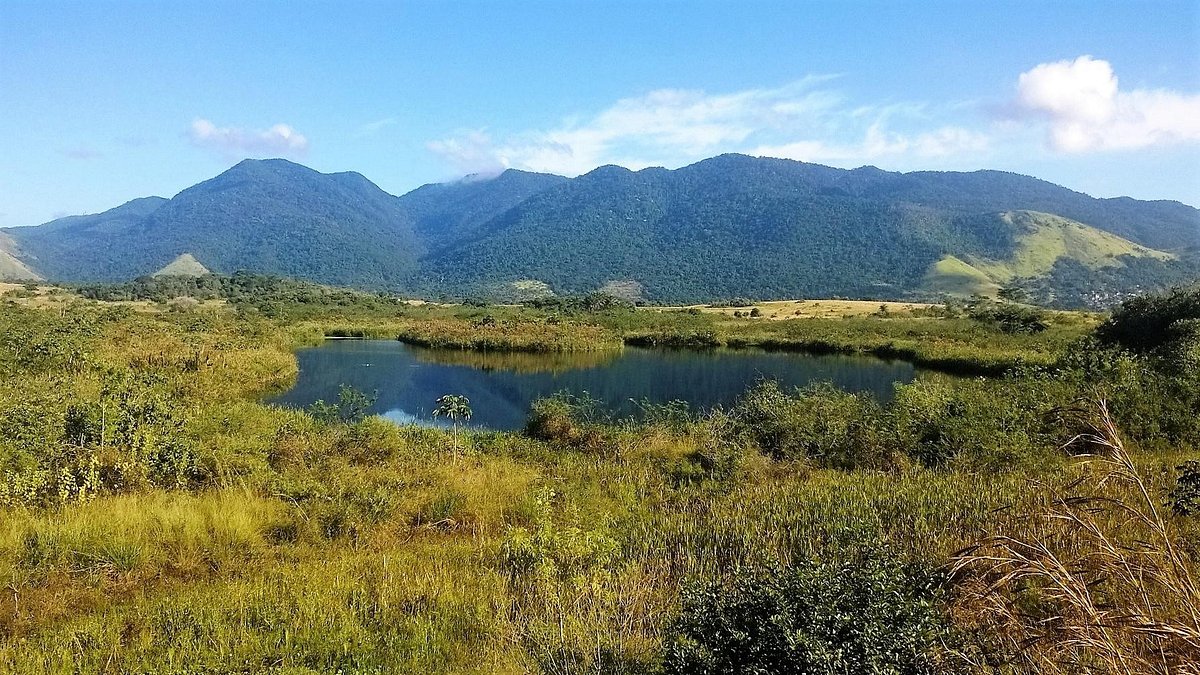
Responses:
[268,215]
[735,225]
[728,226]
[448,213]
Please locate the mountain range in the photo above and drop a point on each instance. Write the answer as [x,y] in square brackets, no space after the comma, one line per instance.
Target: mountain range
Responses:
[727,226]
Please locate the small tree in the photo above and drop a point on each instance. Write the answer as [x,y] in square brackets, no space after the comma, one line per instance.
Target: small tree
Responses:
[455,408]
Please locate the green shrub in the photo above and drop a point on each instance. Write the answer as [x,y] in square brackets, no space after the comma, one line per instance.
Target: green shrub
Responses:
[1147,322]
[1184,498]
[872,615]
[994,425]
[820,422]
[566,419]
[1010,317]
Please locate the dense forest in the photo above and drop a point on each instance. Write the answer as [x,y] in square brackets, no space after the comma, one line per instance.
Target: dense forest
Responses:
[728,226]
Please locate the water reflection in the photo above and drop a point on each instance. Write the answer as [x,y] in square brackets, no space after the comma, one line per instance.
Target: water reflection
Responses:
[501,387]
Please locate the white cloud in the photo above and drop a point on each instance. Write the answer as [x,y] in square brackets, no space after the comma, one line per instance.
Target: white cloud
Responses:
[280,140]
[1086,110]
[662,127]
[471,152]
[879,144]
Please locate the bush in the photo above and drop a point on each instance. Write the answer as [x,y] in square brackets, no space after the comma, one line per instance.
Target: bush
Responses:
[566,419]
[1145,323]
[993,424]
[820,422]
[872,615]
[1009,317]
[1184,498]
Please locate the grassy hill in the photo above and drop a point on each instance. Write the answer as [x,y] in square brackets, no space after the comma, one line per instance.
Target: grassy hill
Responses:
[951,276]
[1039,244]
[11,267]
[1043,239]
[183,266]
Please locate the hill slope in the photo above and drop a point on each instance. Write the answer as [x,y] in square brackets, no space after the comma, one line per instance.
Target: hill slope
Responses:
[727,226]
[270,216]
[448,213]
[185,265]
[734,225]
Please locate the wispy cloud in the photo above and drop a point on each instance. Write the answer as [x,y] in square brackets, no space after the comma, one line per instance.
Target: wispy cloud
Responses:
[372,128]
[879,143]
[280,140]
[1084,108]
[1078,103]
[666,126]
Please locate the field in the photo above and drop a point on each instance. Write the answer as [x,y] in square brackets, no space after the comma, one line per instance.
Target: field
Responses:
[156,518]
[780,310]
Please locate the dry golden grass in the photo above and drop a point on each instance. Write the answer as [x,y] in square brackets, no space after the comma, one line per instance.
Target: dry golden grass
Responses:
[1098,581]
[801,309]
[41,296]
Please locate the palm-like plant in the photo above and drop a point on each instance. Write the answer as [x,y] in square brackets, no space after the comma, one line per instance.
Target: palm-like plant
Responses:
[455,408]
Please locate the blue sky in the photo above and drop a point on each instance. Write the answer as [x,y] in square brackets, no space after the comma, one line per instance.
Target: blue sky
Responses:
[102,102]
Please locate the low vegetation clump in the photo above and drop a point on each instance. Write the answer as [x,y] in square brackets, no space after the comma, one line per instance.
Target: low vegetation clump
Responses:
[155,516]
[490,334]
[869,613]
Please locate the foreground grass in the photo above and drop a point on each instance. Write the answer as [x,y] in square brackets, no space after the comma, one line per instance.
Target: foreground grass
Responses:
[158,519]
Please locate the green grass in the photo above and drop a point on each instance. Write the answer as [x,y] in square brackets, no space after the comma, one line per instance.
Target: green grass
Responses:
[184,265]
[178,525]
[951,276]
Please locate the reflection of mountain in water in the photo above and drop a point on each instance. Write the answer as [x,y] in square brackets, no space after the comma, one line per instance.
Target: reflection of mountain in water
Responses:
[501,387]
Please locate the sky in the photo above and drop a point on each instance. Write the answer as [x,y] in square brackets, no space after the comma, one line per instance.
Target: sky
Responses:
[106,101]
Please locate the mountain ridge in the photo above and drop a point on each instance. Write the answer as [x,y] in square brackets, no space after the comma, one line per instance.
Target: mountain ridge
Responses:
[731,225]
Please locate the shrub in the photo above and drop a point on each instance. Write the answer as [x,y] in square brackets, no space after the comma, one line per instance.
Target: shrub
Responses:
[1184,498]
[820,422]
[993,424]
[566,419]
[1009,317]
[1147,322]
[352,407]
[872,615]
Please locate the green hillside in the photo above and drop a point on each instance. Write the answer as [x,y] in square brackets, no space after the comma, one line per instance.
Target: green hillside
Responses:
[735,225]
[1039,245]
[951,276]
[263,215]
[183,266]
[730,226]
[446,214]
[1043,239]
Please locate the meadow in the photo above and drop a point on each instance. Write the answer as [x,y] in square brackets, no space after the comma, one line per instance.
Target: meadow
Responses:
[155,517]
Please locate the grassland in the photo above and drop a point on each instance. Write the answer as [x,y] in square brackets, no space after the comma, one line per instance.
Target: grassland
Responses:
[156,518]
[1041,241]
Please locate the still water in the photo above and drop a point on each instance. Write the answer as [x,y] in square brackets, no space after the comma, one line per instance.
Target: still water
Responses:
[501,386]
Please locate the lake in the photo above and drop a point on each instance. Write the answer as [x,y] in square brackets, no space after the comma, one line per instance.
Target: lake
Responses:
[501,386]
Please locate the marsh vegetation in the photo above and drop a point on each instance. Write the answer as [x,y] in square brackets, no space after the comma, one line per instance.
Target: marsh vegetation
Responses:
[158,517]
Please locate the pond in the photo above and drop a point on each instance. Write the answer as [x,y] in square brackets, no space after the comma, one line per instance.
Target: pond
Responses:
[406,380]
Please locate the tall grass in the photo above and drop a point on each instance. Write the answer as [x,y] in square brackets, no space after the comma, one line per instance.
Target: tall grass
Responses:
[1099,582]
[305,544]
